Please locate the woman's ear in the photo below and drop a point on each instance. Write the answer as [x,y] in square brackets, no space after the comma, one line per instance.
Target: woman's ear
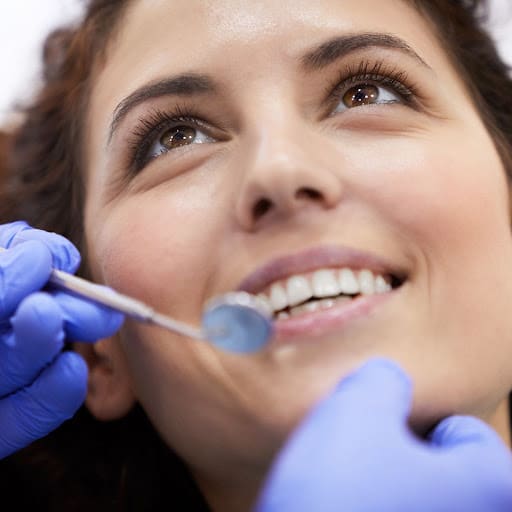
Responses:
[109,395]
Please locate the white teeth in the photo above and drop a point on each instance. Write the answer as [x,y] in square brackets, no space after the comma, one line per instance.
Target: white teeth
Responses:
[381,286]
[278,298]
[283,315]
[298,290]
[325,284]
[266,304]
[327,303]
[348,282]
[309,307]
[315,305]
[366,282]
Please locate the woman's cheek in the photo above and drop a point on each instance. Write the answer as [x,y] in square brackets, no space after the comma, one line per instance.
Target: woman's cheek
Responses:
[426,188]
[150,249]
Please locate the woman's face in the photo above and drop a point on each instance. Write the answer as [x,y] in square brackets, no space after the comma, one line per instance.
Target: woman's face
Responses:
[269,145]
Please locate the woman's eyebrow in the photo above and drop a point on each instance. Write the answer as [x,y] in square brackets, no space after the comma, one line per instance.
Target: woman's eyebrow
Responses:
[191,84]
[338,47]
[186,84]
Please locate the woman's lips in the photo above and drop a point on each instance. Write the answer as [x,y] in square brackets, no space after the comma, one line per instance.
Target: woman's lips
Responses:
[310,326]
[316,258]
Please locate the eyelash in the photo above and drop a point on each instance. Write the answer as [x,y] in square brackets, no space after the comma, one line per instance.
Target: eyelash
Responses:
[156,122]
[375,73]
[152,125]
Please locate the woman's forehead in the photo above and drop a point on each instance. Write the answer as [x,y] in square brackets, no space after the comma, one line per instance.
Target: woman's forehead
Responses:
[195,28]
[226,37]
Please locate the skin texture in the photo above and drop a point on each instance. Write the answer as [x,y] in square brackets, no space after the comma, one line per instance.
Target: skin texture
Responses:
[422,187]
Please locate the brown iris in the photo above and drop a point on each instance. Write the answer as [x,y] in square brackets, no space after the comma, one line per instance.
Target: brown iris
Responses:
[178,136]
[365,94]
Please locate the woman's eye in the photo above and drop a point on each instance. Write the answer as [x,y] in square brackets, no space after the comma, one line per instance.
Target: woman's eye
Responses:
[176,137]
[366,94]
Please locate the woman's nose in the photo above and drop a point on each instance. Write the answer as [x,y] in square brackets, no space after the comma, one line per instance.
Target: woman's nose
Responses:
[284,175]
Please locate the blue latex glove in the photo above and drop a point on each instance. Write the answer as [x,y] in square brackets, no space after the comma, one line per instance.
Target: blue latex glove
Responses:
[355,453]
[41,386]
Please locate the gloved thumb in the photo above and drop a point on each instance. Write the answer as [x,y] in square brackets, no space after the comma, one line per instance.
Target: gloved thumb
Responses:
[367,406]
[379,391]
[376,397]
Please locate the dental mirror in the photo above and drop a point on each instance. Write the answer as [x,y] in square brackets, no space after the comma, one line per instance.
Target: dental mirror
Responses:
[237,321]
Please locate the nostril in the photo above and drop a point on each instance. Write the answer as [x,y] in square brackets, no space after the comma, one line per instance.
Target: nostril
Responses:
[261,208]
[308,193]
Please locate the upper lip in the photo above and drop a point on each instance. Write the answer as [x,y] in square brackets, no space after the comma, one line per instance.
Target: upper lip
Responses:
[313,259]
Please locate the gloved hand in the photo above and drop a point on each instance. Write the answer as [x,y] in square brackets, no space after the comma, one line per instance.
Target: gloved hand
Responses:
[40,386]
[355,453]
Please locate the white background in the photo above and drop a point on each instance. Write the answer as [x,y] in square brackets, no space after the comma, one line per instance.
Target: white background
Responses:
[24,23]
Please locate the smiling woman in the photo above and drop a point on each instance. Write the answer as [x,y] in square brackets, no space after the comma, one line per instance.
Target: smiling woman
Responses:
[347,163]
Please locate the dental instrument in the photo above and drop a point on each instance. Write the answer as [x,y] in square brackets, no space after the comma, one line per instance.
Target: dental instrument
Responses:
[237,321]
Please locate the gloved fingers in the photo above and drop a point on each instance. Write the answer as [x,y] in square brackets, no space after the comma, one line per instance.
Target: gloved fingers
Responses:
[36,339]
[86,320]
[378,391]
[476,453]
[23,270]
[458,434]
[54,397]
[462,430]
[370,404]
[64,254]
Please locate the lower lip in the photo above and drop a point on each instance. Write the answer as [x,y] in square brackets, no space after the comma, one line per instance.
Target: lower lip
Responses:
[313,325]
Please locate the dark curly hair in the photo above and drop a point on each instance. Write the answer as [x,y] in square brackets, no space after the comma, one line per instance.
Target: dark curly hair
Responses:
[123,465]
